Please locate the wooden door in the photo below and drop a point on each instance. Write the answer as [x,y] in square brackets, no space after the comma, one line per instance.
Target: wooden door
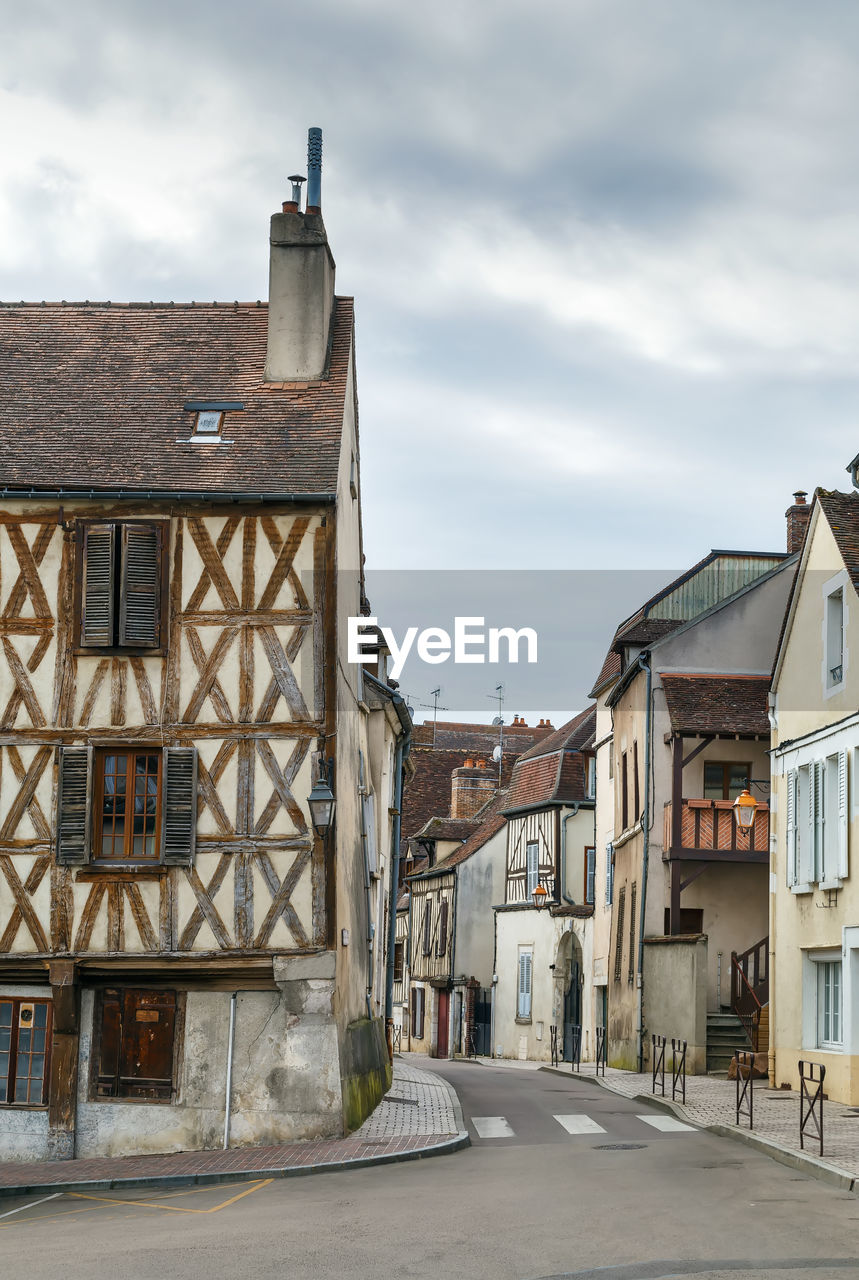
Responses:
[442,1042]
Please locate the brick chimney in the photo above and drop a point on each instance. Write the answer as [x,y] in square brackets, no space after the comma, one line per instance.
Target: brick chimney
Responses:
[470,787]
[797,521]
[301,282]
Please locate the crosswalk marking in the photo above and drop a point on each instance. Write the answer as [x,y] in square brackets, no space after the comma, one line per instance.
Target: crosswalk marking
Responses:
[579,1124]
[667,1124]
[492,1127]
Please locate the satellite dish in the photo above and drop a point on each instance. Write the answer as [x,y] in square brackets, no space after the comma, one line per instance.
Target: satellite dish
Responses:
[496,754]
[498,720]
[410,710]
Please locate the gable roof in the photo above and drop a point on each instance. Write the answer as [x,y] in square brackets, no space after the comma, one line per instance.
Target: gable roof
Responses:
[95,396]
[842,515]
[707,703]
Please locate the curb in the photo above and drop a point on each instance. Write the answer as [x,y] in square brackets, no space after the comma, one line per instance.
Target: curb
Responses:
[455,1142]
[813,1166]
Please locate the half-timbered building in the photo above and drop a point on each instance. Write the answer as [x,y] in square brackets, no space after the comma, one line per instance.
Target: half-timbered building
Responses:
[543,923]
[186,957]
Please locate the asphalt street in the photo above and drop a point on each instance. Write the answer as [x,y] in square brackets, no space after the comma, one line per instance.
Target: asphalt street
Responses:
[562,1179]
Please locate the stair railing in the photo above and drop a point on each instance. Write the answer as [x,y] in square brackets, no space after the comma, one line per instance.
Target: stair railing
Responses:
[750,987]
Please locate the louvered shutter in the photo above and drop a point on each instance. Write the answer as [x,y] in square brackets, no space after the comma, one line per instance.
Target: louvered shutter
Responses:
[427,947]
[140,588]
[441,945]
[74,805]
[524,1005]
[843,818]
[817,819]
[369,807]
[178,806]
[99,558]
[792,868]
[609,874]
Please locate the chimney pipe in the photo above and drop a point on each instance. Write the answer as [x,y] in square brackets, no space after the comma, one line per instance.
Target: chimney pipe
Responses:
[314,170]
[797,521]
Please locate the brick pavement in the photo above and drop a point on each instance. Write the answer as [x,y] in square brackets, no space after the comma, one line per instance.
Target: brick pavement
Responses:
[419,1117]
[710,1101]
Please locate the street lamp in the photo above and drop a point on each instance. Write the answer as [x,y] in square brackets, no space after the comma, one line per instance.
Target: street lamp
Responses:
[744,810]
[540,896]
[321,805]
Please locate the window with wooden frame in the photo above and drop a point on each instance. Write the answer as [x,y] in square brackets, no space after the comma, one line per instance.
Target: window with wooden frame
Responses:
[121,584]
[133,806]
[427,947]
[136,1032]
[25,1052]
[624,792]
[399,961]
[636,802]
[532,869]
[590,874]
[725,780]
[418,1003]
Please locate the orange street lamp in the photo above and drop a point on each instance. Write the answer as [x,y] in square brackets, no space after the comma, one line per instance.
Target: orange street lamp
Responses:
[744,810]
[540,896]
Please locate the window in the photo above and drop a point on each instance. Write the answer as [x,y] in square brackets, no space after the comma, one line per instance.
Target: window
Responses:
[532,869]
[441,941]
[609,874]
[725,781]
[121,585]
[592,777]
[817,822]
[618,937]
[208,423]
[399,961]
[691,920]
[127,806]
[523,1002]
[25,1052]
[418,998]
[636,808]
[590,873]
[624,793]
[135,806]
[136,1031]
[829,1005]
[834,638]
[427,947]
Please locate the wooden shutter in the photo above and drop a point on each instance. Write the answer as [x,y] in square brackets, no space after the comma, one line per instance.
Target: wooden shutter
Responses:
[632,897]
[97,588]
[524,1003]
[369,813]
[178,806]
[427,948]
[818,864]
[74,805]
[590,875]
[791,850]
[609,874]
[146,1056]
[843,818]
[109,1044]
[399,961]
[140,586]
[441,944]
[618,940]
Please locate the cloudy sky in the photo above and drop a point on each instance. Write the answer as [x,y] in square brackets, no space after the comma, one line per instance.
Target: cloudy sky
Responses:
[605,252]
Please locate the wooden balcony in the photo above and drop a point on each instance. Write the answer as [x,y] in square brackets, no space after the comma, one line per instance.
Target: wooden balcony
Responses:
[708,831]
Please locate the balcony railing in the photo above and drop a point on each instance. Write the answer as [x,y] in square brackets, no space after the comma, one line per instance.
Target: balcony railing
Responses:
[709,826]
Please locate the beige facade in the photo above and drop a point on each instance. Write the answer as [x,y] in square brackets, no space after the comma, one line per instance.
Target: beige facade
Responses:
[814,901]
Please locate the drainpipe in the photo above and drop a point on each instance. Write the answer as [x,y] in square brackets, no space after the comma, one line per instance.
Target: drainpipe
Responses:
[572,902]
[403,747]
[771,1063]
[368,888]
[229,1085]
[452,961]
[644,664]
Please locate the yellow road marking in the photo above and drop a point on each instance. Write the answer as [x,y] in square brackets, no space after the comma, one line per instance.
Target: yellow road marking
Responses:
[174,1208]
[143,1204]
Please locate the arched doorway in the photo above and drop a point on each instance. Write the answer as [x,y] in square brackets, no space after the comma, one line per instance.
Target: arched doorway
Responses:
[569,981]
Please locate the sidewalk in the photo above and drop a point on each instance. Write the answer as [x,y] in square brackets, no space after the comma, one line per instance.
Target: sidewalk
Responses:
[420,1117]
[711,1103]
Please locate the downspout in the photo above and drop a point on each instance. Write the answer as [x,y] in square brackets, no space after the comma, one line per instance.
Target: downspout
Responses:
[575,808]
[452,960]
[644,664]
[494,985]
[371,928]
[771,1062]
[403,747]
[229,1085]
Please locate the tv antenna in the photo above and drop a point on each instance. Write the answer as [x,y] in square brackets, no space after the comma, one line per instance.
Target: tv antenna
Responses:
[433,706]
[498,753]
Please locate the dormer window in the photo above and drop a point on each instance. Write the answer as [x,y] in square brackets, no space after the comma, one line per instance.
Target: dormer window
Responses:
[208,423]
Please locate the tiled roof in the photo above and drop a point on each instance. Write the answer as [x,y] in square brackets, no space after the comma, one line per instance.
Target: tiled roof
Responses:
[446,829]
[842,515]
[94,394]
[480,738]
[717,704]
[554,770]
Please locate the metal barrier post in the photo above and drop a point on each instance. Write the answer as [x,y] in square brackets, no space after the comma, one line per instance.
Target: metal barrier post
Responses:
[811,1103]
[553,1037]
[745,1086]
[576,1063]
[602,1050]
[678,1073]
[658,1062]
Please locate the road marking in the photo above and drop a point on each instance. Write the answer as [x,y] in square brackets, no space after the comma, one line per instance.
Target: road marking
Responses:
[175,1208]
[579,1124]
[492,1127]
[667,1124]
[31,1205]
